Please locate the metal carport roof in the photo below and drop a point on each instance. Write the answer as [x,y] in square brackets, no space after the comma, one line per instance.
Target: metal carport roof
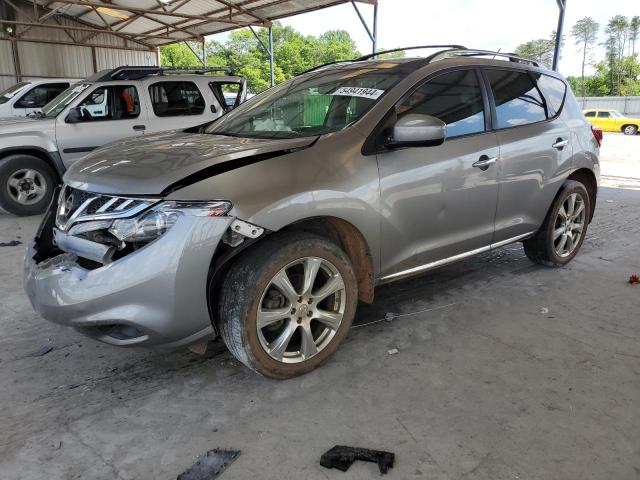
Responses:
[160,22]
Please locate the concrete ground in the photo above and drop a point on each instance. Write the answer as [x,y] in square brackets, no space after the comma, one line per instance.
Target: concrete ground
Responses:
[509,371]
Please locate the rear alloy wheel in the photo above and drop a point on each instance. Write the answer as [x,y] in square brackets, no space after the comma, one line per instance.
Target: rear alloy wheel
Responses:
[287,303]
[564,229]
[629,129]
[26,184]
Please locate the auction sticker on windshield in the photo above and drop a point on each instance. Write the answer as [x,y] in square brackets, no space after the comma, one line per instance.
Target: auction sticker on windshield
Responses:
[372,93]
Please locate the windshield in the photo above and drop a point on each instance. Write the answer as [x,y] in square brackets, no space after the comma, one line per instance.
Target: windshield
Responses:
[617,114]
[312,104]
[55,106]
[11,92]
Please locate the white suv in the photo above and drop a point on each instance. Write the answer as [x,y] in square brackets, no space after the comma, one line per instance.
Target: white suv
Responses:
[109,106]
[26,97]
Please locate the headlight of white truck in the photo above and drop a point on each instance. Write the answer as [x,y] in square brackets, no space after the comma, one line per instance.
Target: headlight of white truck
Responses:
[159,219]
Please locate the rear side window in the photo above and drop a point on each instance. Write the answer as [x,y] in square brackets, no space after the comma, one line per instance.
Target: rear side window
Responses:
[39,96]
[554,90]
[517,98]
[590,114]
[174,99]
[455,98]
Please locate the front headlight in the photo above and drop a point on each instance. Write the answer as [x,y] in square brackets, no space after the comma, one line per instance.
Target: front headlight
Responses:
[155,222]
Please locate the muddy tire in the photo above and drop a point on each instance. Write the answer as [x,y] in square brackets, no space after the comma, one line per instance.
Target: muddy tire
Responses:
[563,231]
[27,184]
[287,303]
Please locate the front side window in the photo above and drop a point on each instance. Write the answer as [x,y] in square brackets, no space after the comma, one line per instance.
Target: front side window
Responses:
[316,103]
[11,92]
[58,104]
[39,96]
[455,98]
[517,98]
[174,99]
[113,102]
[604,114]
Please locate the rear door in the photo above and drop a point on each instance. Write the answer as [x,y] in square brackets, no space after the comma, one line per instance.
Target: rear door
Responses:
[535,147]
[438,201]
[109,112]
[179,104]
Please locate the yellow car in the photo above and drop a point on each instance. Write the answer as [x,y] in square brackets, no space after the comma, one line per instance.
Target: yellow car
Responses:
[613,121]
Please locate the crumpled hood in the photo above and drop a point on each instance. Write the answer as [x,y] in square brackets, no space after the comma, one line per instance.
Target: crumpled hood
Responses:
[149,165]
[17,125]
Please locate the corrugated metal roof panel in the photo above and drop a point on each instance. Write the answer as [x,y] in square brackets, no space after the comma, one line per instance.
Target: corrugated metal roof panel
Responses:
[223,18]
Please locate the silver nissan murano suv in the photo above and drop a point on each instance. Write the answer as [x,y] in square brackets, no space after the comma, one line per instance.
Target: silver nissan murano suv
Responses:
[268,225]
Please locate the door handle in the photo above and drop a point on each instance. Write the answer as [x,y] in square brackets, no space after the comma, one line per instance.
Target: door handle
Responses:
[485,162]
[138,128]
[560,144]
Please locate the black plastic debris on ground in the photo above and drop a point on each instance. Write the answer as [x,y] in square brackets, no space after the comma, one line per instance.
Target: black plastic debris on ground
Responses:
[12,243]
[212,464]
[342,457]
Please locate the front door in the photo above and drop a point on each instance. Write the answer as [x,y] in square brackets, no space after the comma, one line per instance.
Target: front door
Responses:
[109,113]
[438,202]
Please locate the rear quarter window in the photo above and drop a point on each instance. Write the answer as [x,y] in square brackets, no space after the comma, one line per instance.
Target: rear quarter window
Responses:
[555,90]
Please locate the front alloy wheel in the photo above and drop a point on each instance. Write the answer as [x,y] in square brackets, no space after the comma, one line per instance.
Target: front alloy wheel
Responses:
[301,310]
[287,303]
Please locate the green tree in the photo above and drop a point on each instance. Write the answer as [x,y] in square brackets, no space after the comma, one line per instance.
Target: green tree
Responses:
[540,50]
[178,55]
[294,53]
[585,32]
[634,31]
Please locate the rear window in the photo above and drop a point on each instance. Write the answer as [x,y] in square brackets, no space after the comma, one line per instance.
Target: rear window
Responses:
[555,91]
[173,99]
[518,99]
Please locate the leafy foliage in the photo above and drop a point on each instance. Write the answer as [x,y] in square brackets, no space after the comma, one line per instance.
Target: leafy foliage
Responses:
[618,73]
[294,53]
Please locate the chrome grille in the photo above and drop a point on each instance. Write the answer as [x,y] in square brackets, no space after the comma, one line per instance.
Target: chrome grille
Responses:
[79,206]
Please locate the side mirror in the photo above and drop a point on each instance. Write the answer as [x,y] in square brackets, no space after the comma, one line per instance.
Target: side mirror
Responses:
[74,115]
[417,130]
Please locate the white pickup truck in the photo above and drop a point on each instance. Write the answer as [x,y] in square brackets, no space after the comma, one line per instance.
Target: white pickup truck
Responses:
[109,106]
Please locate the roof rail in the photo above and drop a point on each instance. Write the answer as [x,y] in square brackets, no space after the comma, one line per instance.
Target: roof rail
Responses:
[467,52]
[138,72]
[447,47]
[445,50]
[371,55]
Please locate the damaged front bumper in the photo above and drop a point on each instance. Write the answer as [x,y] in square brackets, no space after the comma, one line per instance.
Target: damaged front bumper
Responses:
[154,296]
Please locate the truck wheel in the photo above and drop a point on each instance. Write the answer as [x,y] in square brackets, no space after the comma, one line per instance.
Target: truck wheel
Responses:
[564,228]
[287,303]
[629,129]
[27,184]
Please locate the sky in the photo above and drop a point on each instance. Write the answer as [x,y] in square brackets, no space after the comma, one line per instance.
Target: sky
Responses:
[485,24]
